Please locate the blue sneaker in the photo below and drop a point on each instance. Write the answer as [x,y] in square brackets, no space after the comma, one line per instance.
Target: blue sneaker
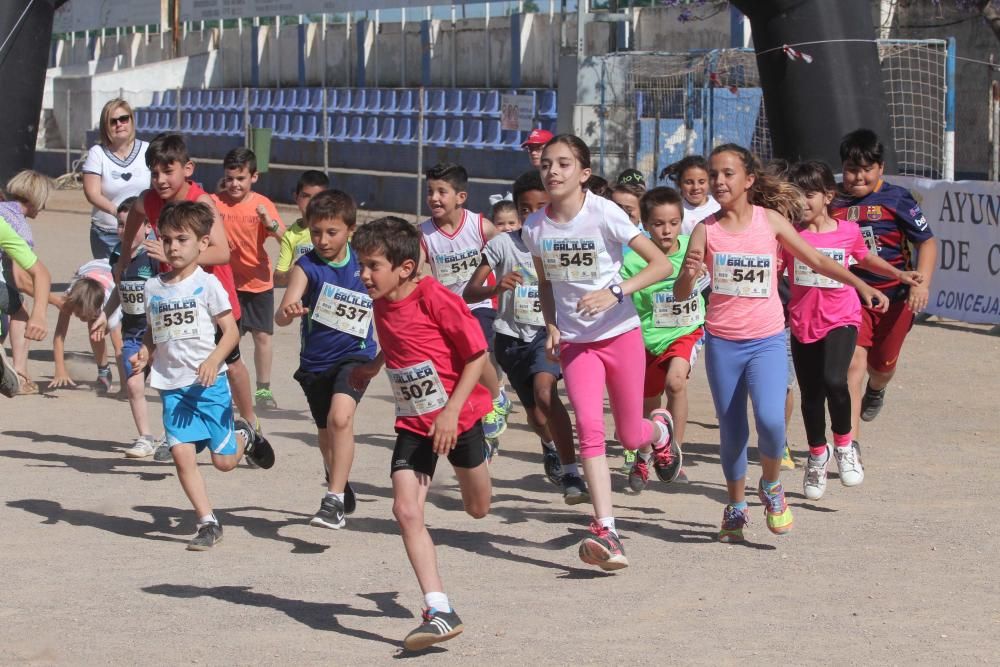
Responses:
[494,424]
[503,404]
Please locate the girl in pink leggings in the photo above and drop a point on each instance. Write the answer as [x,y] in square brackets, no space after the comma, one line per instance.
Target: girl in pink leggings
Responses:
[577,243]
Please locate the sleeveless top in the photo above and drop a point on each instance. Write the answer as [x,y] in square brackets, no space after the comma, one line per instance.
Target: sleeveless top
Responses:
[454,258]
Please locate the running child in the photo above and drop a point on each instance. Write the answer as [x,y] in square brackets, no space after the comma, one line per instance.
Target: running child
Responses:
[326,292]
[890,221]
[745,350]
[16,248]
[627,197]
[434,352]
[520,340]
[184,306]
[690,175]
[452,241]
[297,240]
[825,316]
[250,219]
[504,216]
[672,330]
[577,243]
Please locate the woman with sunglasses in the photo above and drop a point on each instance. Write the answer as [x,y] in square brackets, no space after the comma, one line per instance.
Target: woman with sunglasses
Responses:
[115,169]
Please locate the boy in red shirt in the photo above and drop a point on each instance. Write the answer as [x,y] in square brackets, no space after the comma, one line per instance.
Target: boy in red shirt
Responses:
[250,219]
[434,352]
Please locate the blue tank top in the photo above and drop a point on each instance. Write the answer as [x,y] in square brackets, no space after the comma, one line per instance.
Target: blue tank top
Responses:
[130,291]
[339,286]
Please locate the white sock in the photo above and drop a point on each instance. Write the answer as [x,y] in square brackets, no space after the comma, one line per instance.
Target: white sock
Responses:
[570,469]
[338,496]
[646,456]
[437,601]
[208,518]
[550,445]
[609,523]
[662,434]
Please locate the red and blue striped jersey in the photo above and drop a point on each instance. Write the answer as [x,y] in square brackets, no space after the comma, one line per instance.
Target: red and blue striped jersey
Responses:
[890,219]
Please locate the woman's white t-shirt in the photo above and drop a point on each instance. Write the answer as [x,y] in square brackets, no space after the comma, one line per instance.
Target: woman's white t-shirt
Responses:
[695,214]
[120,179]
[580,256]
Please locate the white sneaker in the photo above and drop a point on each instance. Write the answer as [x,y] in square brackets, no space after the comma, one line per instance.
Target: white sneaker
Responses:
[849,465]
[141,448]
[814,480]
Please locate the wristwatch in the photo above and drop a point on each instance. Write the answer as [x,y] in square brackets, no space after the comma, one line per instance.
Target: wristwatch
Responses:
[617,291]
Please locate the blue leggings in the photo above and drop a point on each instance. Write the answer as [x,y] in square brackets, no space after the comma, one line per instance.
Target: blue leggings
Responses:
[758,368]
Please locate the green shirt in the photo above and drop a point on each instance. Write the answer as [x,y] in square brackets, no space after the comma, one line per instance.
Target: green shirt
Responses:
[15,247]
[659,338]
[295,242]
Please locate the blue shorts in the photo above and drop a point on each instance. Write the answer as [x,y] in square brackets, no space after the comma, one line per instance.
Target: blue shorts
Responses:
[202,416]
[130,346]
[521,360]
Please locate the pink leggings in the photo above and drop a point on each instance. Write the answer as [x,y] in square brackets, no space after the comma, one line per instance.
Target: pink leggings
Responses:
[619,363]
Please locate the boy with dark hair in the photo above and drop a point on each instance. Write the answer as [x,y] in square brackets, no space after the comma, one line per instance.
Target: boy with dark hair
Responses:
[326,292]
[434,353]
[250,219]
[452,241]
[184,306]
[296,240]
[891,221]
[520,340]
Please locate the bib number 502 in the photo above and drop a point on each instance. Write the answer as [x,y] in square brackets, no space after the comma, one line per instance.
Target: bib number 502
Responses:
[420,389]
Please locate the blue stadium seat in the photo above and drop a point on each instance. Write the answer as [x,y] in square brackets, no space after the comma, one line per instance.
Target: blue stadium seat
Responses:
[474,134]
[510,139]
[404,131]
[355,128]
[155,103]
[231,100]
[491,103]
[390,101]
[406,101]
[271,121]
[358,100]
[435,131]
[291,126]
[284,100]
[260,99]
[453,102]
[143,117]
[491,134]
[370,133]
[473,102]
[434,101]
[233,124]
[257,120]
[314,101]
[341,99]
[336,128]
[168,100]
[373,101]
[310,132]
[548,106]
[386,129]
[283,126]
[187,98]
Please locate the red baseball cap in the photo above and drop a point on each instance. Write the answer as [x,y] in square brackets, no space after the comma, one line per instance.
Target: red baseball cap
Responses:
[538,137]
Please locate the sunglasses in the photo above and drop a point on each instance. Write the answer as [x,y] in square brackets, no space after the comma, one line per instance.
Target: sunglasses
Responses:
[120,120]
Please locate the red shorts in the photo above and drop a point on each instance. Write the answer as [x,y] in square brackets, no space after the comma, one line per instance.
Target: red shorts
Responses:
[882,334]
[686,347]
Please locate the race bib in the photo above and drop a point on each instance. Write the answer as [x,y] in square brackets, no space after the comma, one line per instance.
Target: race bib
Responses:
[454,268]
[806,277]
[570,260]
[132,297]
[344,310]
[738,274]
[527,306]
[417,389]
[302,249]
[174,319]
[669,313]
[868,234]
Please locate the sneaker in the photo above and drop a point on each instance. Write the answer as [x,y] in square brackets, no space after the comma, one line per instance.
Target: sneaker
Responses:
[552,466]
[350,500]
[574,490]
[264,399]
[603,548]
[849,465]
[104,379]
[257,449]
[209,534]
[330,514]
[629,460]
[733,521]
[10,383]
[494,424]
[437,626]
[814,481]
[667,459]
[638,476]
[503,404]
[776,510]
[143,446]
[162,453]
[787,462]
[871,403]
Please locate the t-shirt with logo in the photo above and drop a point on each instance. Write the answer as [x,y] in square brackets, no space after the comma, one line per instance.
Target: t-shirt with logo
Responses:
[132,290]
[426,340]
[295,243]
[520,312]
[120,179]
[889,219]
[454,257]
[339,322]
[664,319]
[250,261]
[695,214]
[181,318]
[580,256]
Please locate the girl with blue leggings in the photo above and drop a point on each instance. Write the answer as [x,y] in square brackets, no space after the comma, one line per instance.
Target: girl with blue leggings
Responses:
[745,354]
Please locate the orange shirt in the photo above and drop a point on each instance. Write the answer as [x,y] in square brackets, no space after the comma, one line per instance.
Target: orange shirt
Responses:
[250,262]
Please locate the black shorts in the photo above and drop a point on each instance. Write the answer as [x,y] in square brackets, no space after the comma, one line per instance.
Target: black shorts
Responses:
[416,452]
[486,317]
[320,387]
[258,311]
[521,360]
[234,356]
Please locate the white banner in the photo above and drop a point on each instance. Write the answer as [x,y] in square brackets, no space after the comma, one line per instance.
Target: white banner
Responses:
[965,219]
[213,10]
[517,112]
[96,14]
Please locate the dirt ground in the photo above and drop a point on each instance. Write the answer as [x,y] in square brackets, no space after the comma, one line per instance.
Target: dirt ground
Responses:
[901,570]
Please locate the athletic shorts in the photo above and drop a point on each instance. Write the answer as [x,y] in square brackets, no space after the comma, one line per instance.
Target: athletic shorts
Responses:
[320,387]
[235,355]
[258,311]
[130,346]
[416,452]
[521,360]
[882,334]
[686,347]
[202,416]
[486,317]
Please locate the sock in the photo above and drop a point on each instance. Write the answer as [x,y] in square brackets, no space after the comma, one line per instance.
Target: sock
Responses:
[550,445]
[437,601]
[570,469]
[208,518]
[841,440]
[646,456]
[818,452]
[338,496]
[770,486]
[741,506]
[263,385]
[609,523]
[662,435]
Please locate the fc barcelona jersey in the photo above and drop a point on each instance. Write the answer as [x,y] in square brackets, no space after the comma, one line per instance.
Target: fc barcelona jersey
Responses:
[890,219]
